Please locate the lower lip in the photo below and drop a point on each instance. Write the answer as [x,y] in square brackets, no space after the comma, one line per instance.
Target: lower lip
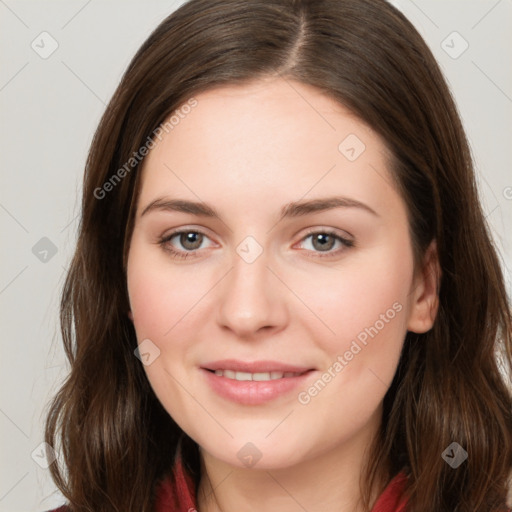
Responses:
[252,392]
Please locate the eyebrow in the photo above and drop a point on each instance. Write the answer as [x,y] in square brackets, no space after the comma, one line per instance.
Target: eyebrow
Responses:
[290,210]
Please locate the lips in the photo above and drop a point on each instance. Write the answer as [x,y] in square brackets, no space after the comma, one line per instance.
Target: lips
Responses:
[253,383]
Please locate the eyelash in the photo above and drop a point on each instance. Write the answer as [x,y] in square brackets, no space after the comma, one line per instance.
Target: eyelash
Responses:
[185,254]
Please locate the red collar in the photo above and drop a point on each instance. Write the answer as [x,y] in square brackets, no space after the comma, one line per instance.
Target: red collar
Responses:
[178,494]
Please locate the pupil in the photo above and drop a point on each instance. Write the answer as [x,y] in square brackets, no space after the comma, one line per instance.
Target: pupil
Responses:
[322,238]
[189,241]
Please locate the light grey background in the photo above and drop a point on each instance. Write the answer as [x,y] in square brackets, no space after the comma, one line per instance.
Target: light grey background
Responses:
[49,109]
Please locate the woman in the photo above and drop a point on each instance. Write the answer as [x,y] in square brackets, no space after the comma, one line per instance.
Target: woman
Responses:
[284,294]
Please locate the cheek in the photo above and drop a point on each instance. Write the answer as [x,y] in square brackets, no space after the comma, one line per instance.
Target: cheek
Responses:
[161,301]
[160,297]
[367,293]
[169,306]
[363,308]
[155,305]
[368,318]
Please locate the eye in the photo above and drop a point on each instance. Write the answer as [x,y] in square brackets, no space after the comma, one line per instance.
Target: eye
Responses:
[189,239]
[323,241]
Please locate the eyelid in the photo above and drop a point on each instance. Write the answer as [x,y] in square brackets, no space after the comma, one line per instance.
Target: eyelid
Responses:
[346,242]
[334,231]
[179,231]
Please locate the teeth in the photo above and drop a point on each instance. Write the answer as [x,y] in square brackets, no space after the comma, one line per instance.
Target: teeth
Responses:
[230,374]
[260,376]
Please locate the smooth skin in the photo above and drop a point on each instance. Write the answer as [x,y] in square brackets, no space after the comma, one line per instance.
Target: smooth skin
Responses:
[247,151]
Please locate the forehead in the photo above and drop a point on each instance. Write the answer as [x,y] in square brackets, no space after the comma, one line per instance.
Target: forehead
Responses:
[266,137]
[274,110]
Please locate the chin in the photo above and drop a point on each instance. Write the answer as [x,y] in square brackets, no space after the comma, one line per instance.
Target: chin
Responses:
[265,454]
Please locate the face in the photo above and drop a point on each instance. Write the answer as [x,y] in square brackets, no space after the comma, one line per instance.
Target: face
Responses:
[270,274]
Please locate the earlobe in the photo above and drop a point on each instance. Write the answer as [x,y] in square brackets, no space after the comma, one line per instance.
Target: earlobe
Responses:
[425,293]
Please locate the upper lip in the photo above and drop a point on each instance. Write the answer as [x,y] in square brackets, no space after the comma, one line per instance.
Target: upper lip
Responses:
[254,366]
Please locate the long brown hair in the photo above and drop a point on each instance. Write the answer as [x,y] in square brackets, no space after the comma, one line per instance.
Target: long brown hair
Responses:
[451,384]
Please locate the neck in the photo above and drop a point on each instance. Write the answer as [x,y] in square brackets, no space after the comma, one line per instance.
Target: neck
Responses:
[328,481]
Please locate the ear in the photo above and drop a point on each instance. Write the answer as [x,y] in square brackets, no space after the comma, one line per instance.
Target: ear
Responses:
[425,292]
[130,315]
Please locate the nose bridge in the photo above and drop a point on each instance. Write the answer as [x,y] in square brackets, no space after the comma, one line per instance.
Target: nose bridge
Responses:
[251,298]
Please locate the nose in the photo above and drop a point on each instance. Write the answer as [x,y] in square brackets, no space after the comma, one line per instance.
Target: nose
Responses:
[252,299]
